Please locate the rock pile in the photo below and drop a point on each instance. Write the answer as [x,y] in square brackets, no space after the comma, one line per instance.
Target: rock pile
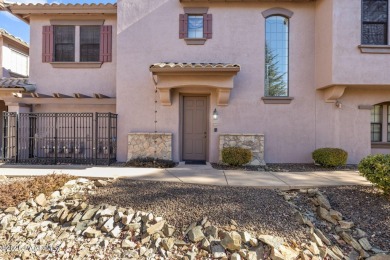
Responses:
[341,239]
[65,226]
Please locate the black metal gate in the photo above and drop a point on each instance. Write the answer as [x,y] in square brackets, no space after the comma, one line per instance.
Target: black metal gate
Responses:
[60,138]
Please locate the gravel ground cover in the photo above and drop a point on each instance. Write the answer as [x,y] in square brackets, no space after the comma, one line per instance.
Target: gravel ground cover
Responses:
[285,167]
[365,207]
[256,210]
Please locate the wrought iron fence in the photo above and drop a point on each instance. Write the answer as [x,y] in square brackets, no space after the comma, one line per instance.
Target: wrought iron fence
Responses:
[60,138]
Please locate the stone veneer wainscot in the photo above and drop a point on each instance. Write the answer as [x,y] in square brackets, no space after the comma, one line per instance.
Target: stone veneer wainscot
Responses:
[253,142]
[141,145]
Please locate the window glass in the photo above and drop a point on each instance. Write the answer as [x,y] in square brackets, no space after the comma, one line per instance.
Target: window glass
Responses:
[376,123]
[195,26]
[276,56]
[374,22]
[64,43]
[89,43]
[388,123]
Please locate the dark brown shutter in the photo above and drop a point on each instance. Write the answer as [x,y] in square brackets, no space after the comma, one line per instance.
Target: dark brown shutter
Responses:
[106,43]
[183,26]
[208,26]
[47,43]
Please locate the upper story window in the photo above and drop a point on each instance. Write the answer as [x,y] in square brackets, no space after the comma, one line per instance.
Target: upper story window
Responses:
[64,42]
[77,44]
[195,26]
[276,56]
[89,43]
[375,22]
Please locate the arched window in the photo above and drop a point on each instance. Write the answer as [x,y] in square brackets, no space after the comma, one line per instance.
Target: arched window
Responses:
[276,56]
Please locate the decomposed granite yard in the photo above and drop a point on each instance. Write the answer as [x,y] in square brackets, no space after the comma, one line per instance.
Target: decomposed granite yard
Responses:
[132,219]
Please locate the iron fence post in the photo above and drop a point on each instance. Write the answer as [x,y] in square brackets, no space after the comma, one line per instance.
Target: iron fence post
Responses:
[17,138]
[96,122]
[55,138]
[109,139]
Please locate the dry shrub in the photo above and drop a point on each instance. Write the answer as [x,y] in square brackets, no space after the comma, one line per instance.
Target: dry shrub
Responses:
[149,162]
[14,193]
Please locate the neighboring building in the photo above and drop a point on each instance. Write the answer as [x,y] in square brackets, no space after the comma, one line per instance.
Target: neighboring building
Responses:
[279,77]
[13,56]
[14,63]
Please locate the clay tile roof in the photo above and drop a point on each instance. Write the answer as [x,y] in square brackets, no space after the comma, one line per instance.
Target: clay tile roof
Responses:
[22,83]
[25,10]
[59,4]
[12,37]
[194,66]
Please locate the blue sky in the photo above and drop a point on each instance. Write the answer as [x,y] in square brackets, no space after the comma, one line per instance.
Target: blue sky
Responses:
[20,29]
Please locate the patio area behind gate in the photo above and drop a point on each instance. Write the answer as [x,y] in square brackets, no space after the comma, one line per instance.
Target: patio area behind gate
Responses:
[59,138]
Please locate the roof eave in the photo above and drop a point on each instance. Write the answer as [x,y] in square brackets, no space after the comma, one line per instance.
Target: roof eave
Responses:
[23,44]
[193,70]
[61,9]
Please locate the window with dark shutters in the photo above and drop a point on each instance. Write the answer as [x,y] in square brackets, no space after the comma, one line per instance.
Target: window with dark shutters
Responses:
[47,43]
[183,26]
[58,43]
[196,26]
[207,26]
[106,43]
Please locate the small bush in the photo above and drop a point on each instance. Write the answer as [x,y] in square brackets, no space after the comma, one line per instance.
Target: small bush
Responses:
[330,157]
[376,168]
[236,156]
[149,162]
[14,193]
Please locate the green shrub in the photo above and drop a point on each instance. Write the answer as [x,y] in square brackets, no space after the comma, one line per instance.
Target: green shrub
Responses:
[236,156]
[376,168]
[330,157]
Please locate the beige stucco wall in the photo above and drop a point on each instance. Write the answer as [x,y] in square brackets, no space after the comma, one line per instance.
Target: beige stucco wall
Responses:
[75,80]
[348,127]
[339,61]
[148,33]
[53,108]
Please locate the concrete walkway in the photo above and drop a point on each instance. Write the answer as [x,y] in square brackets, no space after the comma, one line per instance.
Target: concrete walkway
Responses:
[197,174]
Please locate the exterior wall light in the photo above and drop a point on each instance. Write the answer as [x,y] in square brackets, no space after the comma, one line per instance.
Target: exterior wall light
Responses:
[215,114]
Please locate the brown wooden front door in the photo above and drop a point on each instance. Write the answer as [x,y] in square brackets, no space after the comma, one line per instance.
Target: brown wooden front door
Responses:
[194,128]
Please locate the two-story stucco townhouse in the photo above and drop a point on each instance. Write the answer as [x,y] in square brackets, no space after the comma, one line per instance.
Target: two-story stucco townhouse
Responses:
[13,64]
[13,56]
[188,77]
